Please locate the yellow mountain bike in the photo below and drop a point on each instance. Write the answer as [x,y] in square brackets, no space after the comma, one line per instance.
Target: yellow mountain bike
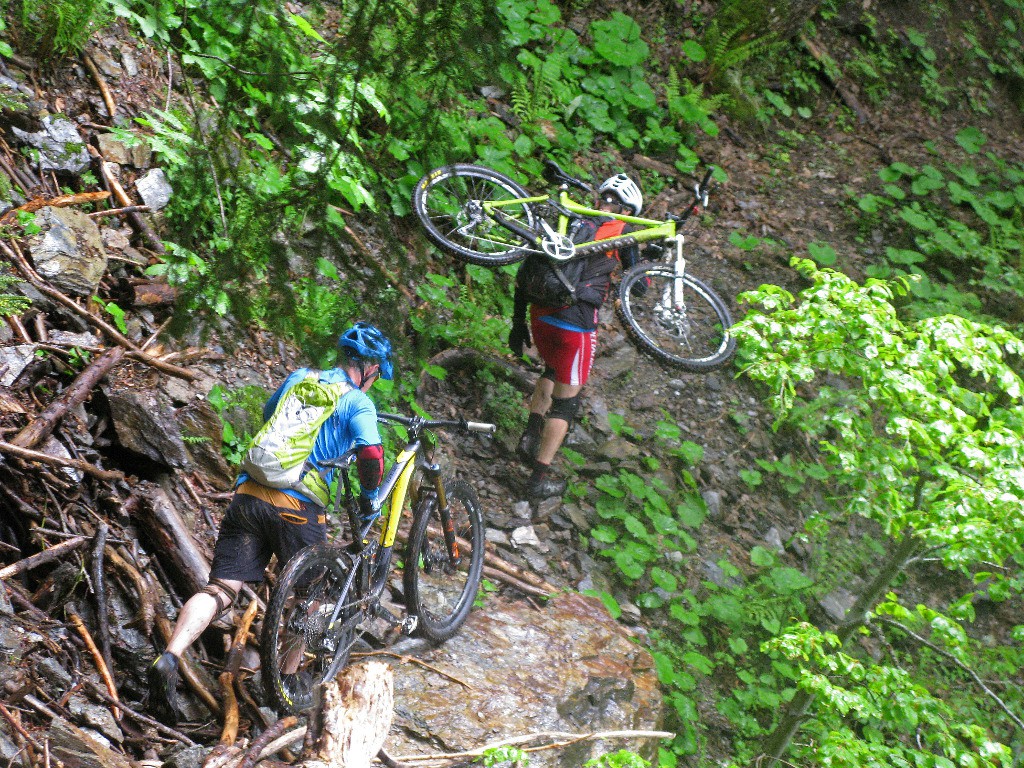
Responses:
[483,217]
[326,591]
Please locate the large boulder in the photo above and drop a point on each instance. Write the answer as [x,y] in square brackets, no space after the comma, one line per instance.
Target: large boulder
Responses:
[69,251]
[515,670]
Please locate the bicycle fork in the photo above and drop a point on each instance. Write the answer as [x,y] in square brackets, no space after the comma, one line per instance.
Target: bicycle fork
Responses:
[433,471]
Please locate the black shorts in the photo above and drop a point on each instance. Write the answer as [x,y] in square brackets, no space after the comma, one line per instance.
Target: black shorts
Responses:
[254,529]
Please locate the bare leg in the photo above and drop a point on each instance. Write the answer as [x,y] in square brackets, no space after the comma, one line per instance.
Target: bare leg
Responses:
[195,617]
[541,399]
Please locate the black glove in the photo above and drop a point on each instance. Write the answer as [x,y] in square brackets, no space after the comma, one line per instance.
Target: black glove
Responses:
[518,338]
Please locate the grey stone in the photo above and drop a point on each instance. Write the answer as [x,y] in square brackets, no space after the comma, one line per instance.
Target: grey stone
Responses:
[69,251]
[499,538]
[11,754]
[16,359]
[60,145]
[146,424]
[526,536]
[713,502]
[837,602]
[617,449]
[774,540]
[96,717]
[52,672]
[116,151]
[154,189]
[189,757]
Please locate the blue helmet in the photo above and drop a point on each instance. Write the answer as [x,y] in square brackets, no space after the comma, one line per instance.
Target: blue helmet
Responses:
[366,342]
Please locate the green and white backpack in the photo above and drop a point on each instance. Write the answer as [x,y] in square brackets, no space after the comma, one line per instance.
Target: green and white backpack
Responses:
[278,454]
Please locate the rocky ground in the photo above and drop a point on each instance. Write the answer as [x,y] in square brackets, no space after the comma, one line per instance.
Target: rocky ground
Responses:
[790,189]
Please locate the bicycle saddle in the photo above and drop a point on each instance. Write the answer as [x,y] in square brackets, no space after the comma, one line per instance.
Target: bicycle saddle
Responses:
[555,175]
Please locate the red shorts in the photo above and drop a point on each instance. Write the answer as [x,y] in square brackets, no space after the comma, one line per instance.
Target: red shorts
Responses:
[569,353]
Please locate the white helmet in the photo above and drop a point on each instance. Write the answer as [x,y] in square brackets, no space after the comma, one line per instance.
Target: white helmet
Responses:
[626,190]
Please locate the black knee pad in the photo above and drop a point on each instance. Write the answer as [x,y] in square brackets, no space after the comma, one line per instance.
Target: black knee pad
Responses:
[549,374]
[564,408]
[223,594]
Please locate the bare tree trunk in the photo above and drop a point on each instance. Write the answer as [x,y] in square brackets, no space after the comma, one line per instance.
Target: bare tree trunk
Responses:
[354,718]
[777,742]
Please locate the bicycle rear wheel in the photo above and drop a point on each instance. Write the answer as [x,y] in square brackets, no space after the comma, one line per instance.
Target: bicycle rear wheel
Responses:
[692,334]
[448,202]
[440,590]
[298,643]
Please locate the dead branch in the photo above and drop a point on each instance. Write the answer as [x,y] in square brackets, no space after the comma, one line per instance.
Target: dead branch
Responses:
[44,458]
[100,591]
[146,595]
[124,201]
[227,678]
[61,201]
[118,211]
[559,740]
[46,556]
[522,586]
[97,657]
[252,754]
[817,50]
[108,98]
[81,388]
[460,358]
[412,659]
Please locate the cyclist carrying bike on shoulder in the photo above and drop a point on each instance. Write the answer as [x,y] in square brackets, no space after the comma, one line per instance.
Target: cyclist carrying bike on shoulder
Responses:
[262,521]
[566,338]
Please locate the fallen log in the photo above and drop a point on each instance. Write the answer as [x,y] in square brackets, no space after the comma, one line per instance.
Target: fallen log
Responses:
[81,388]
[61,201]
[172,539]
[46,556]
[45,458]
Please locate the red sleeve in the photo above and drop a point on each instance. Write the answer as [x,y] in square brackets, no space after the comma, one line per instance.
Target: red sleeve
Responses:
[370,465]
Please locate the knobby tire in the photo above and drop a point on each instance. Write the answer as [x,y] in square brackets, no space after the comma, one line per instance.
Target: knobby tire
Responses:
[439,592]
[695,338]
[296,624]
[447,203]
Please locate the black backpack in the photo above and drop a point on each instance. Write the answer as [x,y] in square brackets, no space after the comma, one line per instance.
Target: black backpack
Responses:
[553,284]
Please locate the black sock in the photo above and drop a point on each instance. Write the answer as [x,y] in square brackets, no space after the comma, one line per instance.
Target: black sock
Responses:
[540,471]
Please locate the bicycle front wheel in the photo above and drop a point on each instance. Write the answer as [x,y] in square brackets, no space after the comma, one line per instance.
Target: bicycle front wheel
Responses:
[300,641]
[678,320]
[439,588]
[449,204]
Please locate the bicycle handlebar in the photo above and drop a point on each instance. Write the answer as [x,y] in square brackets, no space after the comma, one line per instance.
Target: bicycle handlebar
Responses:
[419,422]
[700,197]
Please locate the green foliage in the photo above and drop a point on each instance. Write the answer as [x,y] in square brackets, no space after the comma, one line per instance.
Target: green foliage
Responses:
[61,27]
[505,757]
[11,304]
[241,415]
[919,425]
[623,758]
[957,227]
[471,313]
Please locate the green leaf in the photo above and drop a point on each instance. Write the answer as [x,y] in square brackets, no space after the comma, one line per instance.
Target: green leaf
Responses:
[761,556]
[971,139]
[694,51]
[618,40]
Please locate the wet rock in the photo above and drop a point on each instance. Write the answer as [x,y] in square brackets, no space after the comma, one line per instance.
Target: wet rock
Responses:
[96,717]
[565,657]
[60,146]
[713,502]
[617,449]
[154,189]
[11,754]
[621,362]
[199,421]
[147,425]
[74,746]
[16,359]
[774,540]
[69,252]
[50,670]
[837,602]
[599,410]
[189,757]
